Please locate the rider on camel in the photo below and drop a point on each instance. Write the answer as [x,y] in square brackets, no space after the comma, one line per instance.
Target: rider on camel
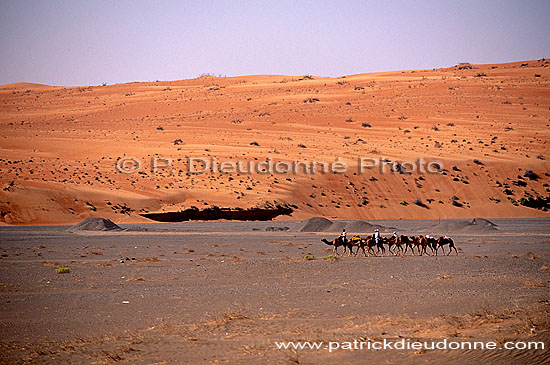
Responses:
[343,236]
[376,235]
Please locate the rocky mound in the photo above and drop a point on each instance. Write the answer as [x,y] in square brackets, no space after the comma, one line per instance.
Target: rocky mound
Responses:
[96,225]
[315,224]
[135,229]
[319,224]
[362,226]
[482,222]
[476,225]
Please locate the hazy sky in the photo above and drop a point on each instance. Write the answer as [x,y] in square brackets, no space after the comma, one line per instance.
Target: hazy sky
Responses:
[86,42]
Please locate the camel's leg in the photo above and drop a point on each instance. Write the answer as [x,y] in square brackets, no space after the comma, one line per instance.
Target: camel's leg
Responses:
[371,250]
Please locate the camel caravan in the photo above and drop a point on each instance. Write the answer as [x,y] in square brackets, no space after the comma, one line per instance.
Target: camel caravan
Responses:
[397,245]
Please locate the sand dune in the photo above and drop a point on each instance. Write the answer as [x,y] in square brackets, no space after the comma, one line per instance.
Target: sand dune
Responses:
[485,124]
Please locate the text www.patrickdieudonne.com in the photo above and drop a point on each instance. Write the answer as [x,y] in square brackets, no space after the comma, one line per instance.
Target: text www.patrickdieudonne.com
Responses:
[408,344]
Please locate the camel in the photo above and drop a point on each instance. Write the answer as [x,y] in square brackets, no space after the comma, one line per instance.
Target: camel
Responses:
[337,242]
[414,242]
[404,241]
[369,243]
[442,241]
[398,242]
[423,242]
[355,241]
[390,242]
[379,245]
[432,244]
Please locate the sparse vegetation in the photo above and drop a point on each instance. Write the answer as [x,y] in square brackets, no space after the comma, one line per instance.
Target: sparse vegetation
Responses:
[311,100]
[420,203]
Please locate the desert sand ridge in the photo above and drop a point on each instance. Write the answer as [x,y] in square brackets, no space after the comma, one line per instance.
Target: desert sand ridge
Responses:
[486,124]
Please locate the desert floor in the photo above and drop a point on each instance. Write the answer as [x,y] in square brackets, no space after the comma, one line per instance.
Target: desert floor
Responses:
[224,292]
[486,125]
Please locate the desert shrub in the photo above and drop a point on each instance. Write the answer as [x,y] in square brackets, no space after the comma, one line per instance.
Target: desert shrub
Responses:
[456,203]
[420,203]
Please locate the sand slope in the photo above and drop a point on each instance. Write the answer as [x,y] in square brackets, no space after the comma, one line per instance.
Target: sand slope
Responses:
[59,145]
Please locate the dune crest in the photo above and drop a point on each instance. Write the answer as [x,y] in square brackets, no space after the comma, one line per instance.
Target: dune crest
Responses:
[486,127]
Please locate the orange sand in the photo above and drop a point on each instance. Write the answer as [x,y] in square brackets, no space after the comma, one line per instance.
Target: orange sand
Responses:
[59,145]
